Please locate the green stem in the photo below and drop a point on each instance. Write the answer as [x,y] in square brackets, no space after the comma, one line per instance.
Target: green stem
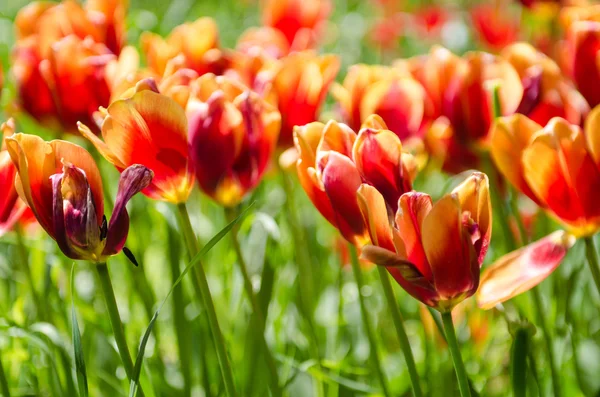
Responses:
[258,312]
[22,252]
[115,320]
[206,297]
[592,260]
[4,382]
[402,337]
[365,318]
[518,360]
[459,366]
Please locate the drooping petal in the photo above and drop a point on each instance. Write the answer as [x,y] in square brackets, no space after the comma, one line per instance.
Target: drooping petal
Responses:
[133,180]
[522,269]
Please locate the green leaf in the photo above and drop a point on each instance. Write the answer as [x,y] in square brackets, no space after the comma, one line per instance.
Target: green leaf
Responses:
[137,369]
[77,347]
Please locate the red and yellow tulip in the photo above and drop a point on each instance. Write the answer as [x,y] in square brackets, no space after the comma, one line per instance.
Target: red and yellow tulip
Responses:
[148,128]
[11,206]
[434,251]
[61,184]
[334,161]
[232,135]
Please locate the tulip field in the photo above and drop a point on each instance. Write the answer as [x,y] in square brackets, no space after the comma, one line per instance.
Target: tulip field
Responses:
[300,198]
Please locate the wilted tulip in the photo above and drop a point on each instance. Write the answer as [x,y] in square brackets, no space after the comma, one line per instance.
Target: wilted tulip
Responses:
[523,269]
[334,161]
[581,50]
[298,20]
[197,41]
[61,184]
[301,84]
[434,251]
[546,92]
[557,166]
[148,128]
[232,135]
[388,92]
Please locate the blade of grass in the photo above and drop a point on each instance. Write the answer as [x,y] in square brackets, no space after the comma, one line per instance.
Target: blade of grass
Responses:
[137,369]
[82,382]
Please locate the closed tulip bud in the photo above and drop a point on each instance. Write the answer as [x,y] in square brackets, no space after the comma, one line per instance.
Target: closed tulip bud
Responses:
[334,161]
[434,251]
[61,184]
[301,84]
[197,42]
[557,166]
[148,128]
[232,136]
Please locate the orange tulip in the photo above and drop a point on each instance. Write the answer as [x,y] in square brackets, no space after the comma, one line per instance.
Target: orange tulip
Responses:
[264,39]
[148,128]
[523,269]
[11,207]
[388,92]
[581,50]
[232,135]
[197,41]
[334,161]
[495,26]
[61,184]
[546,92]
[557,166]
[301,85]
[434,251]
[68,85]
[298,20]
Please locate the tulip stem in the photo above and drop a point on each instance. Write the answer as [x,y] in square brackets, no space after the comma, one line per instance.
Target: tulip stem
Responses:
[402,336]
[592,259]
[192,244]
[258,312]
[365,318]
[115,320]
[3,382]
[459,366]
[22,255]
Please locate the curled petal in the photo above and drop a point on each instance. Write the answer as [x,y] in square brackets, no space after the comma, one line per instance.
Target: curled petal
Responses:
[376,217]
[523,269]
[133,180]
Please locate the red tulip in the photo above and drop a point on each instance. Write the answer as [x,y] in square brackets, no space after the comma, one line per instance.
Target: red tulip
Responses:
[434,251]
[61,184]
[232,135]
[12,207]
[148,128]
[494,25]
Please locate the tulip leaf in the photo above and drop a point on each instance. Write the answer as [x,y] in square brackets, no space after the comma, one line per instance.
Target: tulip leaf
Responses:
[137,369]
[77,347]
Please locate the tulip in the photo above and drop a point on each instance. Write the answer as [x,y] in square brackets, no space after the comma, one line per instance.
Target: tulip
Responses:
[301,85]
[148,128]
[557,166]
[11,207]
[264,39]
[67,86]
[523,269]
[581,50]
[390,93]
[494,25]
[298,20]
[434,251]
[232,135]
[197,41]
[546,92]
[334,161]
[432,18]
[61,184]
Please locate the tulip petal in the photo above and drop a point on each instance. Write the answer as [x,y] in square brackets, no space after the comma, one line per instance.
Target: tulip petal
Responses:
[337,137]
[523,269]
[449,250]
[58,224]
[133,180]
[592,133]
[375,215]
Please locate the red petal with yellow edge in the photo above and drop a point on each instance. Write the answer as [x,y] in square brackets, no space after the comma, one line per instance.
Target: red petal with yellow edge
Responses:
[378,157]
[375,215]
[592,134]
[150,129]
[562,174]
[509,138]
[341,181]
[474,197]
[413,207]
[523,269]
[449,250]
